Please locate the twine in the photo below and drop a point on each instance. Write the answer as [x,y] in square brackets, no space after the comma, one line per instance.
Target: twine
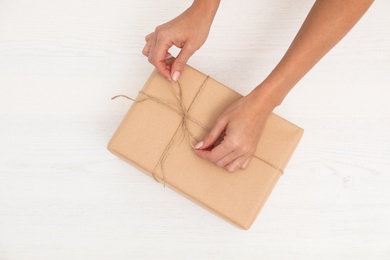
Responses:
[182,111]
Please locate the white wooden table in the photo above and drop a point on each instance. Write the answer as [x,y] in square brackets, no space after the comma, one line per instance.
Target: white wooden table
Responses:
[64,196]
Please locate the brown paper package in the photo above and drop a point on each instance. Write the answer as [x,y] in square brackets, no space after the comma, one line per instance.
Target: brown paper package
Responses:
[159,130]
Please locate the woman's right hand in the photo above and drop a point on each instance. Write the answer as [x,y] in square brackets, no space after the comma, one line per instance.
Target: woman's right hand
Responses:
[188,32]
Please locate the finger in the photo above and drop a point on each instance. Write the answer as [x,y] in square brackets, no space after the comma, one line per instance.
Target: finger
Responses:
[237,163]
[246,163]
[152,44]
[147,37]
[227,159]
[209,155]
[157,55]
[149,40]
[216,154]
[146,49]
[212,136]
[168,56]
[180,62]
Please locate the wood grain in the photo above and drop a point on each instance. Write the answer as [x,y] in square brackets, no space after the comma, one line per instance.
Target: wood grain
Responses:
[64,196]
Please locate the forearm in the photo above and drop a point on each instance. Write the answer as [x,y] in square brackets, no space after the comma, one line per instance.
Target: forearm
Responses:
[326,24]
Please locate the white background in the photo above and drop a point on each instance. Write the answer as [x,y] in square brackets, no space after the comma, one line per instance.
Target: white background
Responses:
[64,196]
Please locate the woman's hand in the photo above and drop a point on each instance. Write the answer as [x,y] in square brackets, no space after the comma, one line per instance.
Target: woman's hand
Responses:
[240,125]
[188,32]
[325,25]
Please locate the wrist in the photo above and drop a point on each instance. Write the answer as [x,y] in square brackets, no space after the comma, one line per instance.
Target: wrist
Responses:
[207,8]
[260,101]
[272,91]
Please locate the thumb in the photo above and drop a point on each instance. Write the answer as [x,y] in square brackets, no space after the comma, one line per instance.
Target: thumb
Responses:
[212,136]
[180,62]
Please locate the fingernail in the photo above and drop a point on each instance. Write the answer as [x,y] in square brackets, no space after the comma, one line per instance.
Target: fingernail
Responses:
[168,56]
[199,145]
[176,76]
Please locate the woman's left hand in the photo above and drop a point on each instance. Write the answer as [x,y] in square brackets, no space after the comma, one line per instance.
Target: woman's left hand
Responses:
[241,124]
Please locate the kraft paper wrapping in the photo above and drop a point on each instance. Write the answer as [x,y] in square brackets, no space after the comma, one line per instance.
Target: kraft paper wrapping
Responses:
[155,137]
